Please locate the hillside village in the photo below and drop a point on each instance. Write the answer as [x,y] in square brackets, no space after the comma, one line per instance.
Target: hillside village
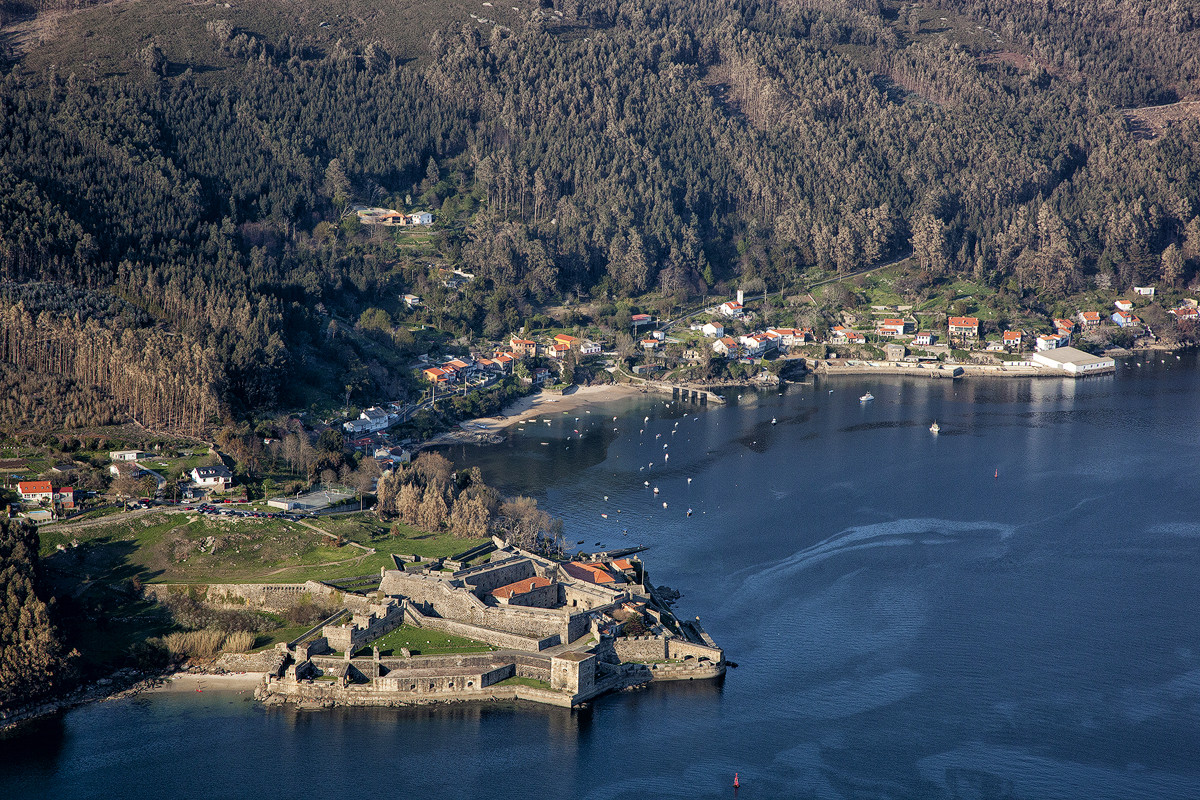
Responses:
[728,343]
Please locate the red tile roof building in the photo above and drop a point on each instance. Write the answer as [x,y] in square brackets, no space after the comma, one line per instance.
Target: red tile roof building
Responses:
[520,587]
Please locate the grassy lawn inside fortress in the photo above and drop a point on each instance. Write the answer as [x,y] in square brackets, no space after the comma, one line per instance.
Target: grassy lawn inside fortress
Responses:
[423,642]
[515,681]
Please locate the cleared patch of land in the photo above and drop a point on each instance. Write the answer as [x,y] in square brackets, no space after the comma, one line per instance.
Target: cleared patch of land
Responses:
[1152,121]
[103,40]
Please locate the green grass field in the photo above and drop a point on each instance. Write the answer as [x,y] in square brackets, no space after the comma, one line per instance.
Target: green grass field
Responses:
[516,681]
[190,548]
[423,641]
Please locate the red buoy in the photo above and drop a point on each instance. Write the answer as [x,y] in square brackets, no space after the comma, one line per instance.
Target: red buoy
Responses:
[736,782]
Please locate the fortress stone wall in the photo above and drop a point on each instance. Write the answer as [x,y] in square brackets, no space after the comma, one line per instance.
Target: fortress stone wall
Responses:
[662,648]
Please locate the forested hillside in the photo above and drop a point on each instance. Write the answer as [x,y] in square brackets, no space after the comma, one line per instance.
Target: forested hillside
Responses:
[614,149]
[32,664]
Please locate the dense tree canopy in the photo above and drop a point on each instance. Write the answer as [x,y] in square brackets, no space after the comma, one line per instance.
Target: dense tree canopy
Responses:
[610,148]
[32,665]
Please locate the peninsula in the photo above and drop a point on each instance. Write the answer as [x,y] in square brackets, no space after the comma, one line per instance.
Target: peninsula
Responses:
[514,626]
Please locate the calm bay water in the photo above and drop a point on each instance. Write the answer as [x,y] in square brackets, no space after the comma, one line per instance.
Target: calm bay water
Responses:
[908,624]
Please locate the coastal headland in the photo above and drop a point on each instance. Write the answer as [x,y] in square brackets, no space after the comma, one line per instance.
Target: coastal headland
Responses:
[515,626]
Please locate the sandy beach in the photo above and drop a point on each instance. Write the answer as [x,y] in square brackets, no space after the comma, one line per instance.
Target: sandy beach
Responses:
[541,403]
[188,682]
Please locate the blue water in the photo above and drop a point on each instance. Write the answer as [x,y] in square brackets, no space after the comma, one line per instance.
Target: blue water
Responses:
[907,624]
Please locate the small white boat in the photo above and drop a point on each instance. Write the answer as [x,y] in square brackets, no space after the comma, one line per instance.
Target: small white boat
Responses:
[664,504]
[656,490]
[866,398]
[774,421]
[934,428]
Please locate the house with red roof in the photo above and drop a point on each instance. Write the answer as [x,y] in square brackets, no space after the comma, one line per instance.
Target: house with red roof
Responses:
[438,375]
[756,344]
[890,327]
[1126,319]
[1090,319]
[1013,339]
[923,338]
[65,497]
[732,309]
[967,327]
[725,346]
[1185,312]
[1052,341]
[523,348]
[787,336]
[36,491]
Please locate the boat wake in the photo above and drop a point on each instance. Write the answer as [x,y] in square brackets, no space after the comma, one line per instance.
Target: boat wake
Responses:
[896,533]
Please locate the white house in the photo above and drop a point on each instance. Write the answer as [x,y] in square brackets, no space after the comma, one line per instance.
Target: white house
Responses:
[376,417]
[411,300]
[714,329]
[1144,291]
[890,327]
[725,346]
[786,336]
[420,218]
[1123,305]
[126,455]
[1052,341]
[127,469]
[923,338]
[732,309]
[217,478]
[756,344]
[36,491]
[589,349]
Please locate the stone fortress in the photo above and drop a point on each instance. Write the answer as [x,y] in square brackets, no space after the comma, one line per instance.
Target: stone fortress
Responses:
[556,630]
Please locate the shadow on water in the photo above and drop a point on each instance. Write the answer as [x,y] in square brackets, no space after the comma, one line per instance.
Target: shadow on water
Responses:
[35,746]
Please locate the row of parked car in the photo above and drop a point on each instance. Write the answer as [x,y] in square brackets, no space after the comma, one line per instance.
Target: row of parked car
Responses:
[205,508]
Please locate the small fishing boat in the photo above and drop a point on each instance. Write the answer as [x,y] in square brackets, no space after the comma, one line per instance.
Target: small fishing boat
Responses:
[774,421]
[866,398]
[656,490]
[934,428]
